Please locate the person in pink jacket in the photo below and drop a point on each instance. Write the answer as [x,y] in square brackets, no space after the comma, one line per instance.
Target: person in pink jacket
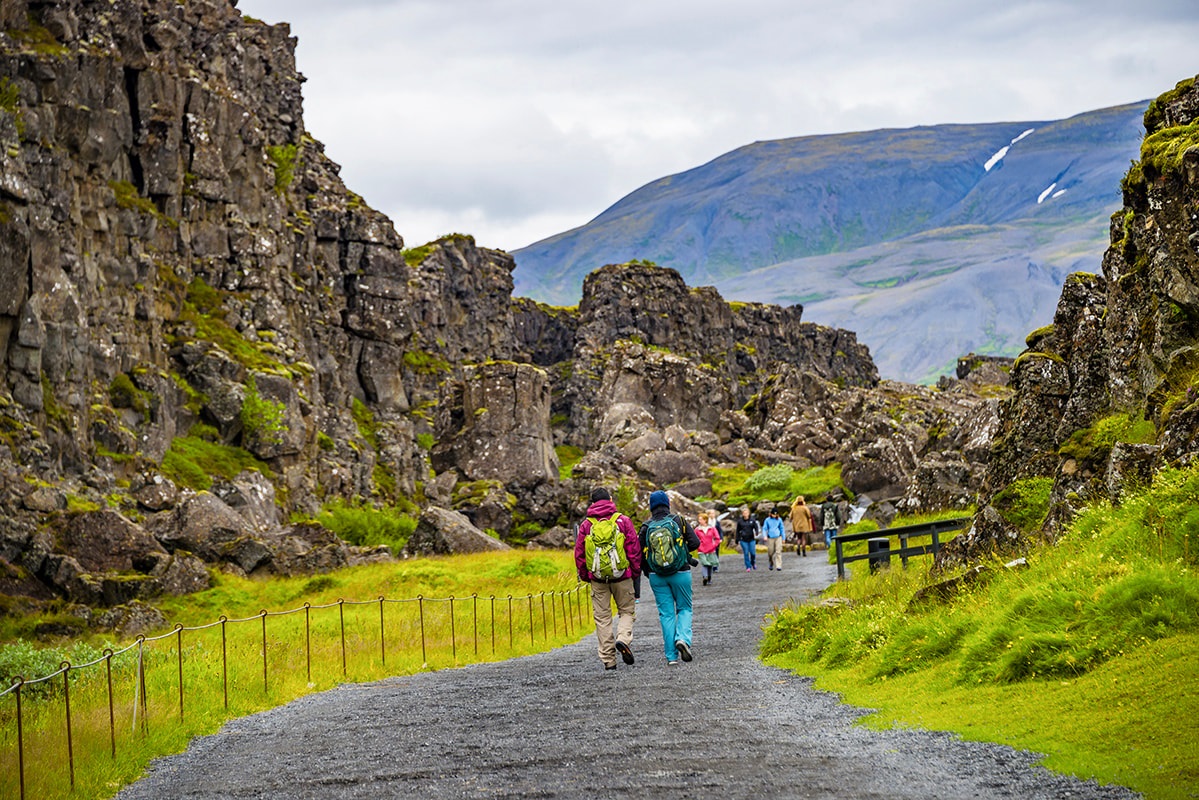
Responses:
[606,588]
[709,546]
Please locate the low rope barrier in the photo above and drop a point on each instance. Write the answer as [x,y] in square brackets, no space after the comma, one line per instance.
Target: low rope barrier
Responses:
[567,602]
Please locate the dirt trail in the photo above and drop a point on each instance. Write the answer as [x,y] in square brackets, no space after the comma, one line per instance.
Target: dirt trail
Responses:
[556,725]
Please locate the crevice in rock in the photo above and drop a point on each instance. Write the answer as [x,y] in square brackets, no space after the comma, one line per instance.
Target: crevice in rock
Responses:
[135,116]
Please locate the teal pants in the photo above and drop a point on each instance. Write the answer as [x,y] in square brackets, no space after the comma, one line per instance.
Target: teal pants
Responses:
[672,594]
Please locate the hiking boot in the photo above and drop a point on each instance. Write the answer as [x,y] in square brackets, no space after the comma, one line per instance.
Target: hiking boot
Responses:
[684,650]
[625,652]
[672,663]
[609,666]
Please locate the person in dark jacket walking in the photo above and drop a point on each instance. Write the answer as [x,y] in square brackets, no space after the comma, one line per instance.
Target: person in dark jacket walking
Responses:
[746,535]
[671,586]
[617,586]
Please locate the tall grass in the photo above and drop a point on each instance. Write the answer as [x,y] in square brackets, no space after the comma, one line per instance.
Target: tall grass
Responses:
[1089,655]
[503,605]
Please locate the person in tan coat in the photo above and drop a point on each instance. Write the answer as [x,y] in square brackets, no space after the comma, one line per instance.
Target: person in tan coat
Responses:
[802,523]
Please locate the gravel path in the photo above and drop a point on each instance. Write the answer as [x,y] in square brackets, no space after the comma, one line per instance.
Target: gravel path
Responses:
[556,725]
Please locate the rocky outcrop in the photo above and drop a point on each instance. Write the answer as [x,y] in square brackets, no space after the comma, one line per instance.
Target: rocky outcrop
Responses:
[1106,395]
[205,333]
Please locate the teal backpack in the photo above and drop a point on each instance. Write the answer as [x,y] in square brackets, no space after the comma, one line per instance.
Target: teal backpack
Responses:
[665,553]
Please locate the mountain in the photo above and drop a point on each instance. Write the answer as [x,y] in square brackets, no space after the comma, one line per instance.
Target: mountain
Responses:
[929,242]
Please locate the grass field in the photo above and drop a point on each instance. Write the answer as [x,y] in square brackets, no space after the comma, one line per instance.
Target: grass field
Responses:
[318,632]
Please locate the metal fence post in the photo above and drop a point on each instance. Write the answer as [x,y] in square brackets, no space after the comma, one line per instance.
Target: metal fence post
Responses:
[224,661]
[112,717]
[420,603]
[341,612]
[65,666]
[179,647]
[265,689]
[382,634]
[20,736]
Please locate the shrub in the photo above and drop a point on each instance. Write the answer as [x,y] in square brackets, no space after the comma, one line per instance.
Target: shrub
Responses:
[769,480]
[367,526]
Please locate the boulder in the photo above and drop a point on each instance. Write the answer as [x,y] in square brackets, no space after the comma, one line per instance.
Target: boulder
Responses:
[668,466]
[1129,466]
[133,619]
[441,531]
[184,575]
[556,538]
[252,496]
[104,541]
[203,525]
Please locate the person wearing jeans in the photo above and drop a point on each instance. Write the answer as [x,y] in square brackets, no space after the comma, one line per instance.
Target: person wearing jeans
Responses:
[672,591]
[747,536]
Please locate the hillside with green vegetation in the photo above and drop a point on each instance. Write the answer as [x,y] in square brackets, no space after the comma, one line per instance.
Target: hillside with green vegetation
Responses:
[899,235]
[1086,651]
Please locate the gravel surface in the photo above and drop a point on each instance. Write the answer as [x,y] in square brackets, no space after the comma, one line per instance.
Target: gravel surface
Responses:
[557,725]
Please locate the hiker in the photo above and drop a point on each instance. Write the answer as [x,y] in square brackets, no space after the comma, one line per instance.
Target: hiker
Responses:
[802,523]
[830,517]
[775,536]
[747,536]
[667,541]
[608,556]
[709,546]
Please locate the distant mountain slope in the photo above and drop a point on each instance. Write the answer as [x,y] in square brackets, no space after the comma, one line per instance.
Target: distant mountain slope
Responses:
[929,242]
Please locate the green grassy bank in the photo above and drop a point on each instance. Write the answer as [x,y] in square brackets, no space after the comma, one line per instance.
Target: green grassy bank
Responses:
[1089,654]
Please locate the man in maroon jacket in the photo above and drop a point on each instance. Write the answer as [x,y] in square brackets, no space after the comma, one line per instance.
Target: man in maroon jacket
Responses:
[619,587]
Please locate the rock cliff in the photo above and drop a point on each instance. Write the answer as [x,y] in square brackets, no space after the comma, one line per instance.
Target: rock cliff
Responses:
[206,338]
[1108,394]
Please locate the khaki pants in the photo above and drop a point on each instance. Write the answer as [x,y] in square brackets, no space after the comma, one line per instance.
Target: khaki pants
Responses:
[774,549]
[602,595]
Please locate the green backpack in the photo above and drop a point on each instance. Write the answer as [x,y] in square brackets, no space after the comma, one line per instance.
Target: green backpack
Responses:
[665,553]
[604,548]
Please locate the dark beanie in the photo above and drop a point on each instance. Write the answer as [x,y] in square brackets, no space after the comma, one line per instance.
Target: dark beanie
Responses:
[600,493]
[658,498]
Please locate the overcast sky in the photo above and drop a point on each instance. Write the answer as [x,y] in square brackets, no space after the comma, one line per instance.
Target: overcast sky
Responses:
[517,120]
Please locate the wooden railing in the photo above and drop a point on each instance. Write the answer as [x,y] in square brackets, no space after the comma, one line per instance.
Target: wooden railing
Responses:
[879,542]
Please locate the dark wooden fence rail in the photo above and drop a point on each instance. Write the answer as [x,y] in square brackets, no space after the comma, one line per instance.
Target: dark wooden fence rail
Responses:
[904,535]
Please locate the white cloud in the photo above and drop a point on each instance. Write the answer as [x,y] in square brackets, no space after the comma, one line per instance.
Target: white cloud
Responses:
[526,118]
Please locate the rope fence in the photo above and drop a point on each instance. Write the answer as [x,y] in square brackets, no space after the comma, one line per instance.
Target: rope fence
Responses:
[234,666]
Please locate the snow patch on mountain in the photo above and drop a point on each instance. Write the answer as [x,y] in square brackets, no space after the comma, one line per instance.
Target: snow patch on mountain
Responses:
[1001,152]
[1044,194]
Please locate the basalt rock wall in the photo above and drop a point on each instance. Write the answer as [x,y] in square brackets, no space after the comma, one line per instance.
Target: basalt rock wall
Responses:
[1108,394]
[200,322]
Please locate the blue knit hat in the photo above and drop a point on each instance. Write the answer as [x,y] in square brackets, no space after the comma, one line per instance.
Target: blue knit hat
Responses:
[658,498]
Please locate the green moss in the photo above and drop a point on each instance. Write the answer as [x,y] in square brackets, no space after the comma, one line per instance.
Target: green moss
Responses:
[1038,334]
[1024,503]
[1154,114]
[325,442]
[1164,149]
[37,37]
[283,159]
[568,456]
[1096,442]
[423,363]
[365,420]
[415,256]
[1023,357]
[55,412]
[192,462]
[124,394]
[264,420]
[203,308]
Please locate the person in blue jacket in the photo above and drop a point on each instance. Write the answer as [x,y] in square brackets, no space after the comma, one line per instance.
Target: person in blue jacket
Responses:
[775,536]
[672,589]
